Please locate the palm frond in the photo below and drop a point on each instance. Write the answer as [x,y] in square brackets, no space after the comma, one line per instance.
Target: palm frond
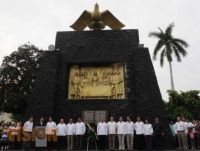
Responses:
[159,46]
[155,34]
[162,55]
[180,49]
[169,29]
[178,57]
[181,42]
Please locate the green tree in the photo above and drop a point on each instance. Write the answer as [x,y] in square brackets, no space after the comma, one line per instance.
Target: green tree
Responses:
[18,71]
[167,45]
[185,104]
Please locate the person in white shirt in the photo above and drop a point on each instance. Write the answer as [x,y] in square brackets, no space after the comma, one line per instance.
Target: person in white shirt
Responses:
[27,128]
[180,129]
[121,133]
[148,132]
[80,131]
[102,132]
[130,126]
[61,133]
[70,134]
[112,127]
[186,130]
[51,133]
[139,125]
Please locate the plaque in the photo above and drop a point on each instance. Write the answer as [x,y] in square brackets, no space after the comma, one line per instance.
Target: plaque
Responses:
[105,82]
[94,116]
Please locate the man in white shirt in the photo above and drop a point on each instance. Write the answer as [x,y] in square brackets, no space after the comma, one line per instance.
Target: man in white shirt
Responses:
[180,129]
[148,132]
[61,133]
[80,131]
[121,133]
[70,134]
[27,128]
[129,133]
[187,125]
[51,133]
[102,132]
[139,125]
[112,127]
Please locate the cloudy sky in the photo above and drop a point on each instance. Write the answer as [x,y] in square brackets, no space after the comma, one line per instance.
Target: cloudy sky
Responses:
[37,21]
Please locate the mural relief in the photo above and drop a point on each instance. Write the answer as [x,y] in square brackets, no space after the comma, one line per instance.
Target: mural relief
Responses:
[97,82]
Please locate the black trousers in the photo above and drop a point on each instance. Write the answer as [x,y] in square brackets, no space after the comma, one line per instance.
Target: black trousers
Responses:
[50,142]
[157,142]
[102,142]
[139,140]
[148,142]
[61,144]
[27,143]
[79,140]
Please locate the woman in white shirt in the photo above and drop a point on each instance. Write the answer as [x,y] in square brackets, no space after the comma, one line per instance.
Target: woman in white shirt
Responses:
[102,132]
[148,132]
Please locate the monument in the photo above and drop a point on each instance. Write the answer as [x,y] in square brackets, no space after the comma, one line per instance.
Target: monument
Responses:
[97,73]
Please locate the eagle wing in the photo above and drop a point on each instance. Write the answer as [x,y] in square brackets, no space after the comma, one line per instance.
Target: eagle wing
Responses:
[82,22]
[110,20]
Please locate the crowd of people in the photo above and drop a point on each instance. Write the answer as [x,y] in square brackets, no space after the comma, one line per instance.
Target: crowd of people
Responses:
[186,133]
[121,135]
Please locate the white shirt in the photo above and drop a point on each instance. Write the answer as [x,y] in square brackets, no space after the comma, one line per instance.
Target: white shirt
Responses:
[71,129]
[50,128]
[80,128]
[61,129]
[121,128]
[130,126]
[186,127]
[139,127]
[180,126]
[28,126]
[112,126]
[148,129]
[102,128]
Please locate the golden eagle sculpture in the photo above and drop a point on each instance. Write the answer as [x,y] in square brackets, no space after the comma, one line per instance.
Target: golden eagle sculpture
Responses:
[97,20]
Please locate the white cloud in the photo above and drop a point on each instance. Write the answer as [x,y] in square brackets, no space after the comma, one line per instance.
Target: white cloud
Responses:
[38,21]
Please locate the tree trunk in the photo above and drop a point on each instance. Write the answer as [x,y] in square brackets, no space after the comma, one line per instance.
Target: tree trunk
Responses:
[171,75]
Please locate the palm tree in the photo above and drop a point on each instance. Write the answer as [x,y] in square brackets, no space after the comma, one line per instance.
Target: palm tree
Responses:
[167,45]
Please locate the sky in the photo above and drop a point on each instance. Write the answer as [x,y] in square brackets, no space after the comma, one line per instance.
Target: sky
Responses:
[37,21]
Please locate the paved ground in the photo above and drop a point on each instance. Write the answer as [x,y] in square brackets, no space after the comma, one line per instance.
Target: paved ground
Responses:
[107,150]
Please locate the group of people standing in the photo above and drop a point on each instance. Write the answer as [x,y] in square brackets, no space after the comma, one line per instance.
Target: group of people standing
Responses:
[125,131]
[186,133]
[118,135]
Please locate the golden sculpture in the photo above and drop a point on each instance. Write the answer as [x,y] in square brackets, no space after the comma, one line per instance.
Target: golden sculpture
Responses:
[97,20]
[97,82]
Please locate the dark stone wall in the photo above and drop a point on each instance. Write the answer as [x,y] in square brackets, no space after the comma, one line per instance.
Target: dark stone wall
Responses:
[93,48]
[44,87]
[104,47]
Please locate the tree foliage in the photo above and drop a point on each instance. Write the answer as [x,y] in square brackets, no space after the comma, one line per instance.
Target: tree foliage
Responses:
[18,71]
[185,104]
[168,45]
